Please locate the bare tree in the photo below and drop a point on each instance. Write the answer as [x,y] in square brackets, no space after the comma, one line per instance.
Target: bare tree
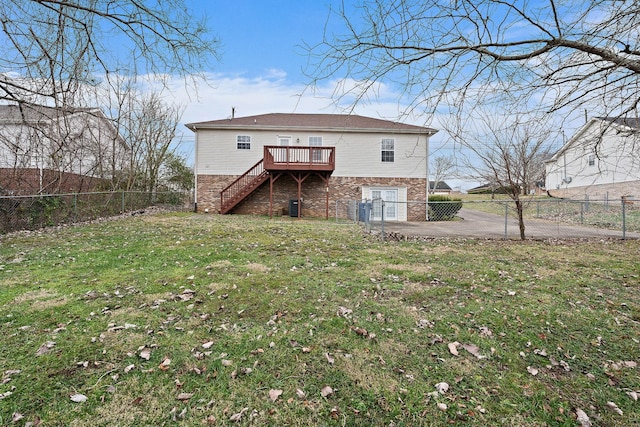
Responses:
[52,48]
[508,151]
[149,125]
[441,168]
[61,53]
[567,54]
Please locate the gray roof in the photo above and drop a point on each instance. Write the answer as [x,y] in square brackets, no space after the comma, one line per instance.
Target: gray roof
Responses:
[336,122]
[632,122]
[441,185]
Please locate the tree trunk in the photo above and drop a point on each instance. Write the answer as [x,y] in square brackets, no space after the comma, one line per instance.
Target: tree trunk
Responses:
[519,210]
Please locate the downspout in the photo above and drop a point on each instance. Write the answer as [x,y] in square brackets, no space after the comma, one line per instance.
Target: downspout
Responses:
[195,173]
[426,205]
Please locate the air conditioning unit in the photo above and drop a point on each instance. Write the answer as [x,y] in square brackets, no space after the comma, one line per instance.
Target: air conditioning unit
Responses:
[566,180]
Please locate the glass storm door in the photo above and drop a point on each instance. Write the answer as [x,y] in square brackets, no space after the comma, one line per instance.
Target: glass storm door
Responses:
[390,198]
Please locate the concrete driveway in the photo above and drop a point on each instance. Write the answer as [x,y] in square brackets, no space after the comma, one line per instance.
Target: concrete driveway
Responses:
[482,225]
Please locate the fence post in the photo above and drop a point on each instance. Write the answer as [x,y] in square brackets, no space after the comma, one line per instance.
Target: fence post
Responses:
[624,219]
[581,212]
[75,207]
[506,219]
[122,201]
[382,222]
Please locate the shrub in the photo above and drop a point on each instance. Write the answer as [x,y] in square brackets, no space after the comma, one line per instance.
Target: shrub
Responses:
[443,208]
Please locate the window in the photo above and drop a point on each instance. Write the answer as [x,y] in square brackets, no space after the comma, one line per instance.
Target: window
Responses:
[316,155]
[243,142]
[388,150]
[591,160]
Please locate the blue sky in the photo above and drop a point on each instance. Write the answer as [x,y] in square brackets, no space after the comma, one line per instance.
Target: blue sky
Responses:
[262,63]
[261,36]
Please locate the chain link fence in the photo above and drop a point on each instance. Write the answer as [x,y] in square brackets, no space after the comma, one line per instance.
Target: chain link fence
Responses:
[34,212]
[543,218]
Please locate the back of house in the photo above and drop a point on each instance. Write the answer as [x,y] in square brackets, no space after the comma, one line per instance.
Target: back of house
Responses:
[272,163]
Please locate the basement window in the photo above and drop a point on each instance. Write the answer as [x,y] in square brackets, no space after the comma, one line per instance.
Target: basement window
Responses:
[591,160]
[243,142]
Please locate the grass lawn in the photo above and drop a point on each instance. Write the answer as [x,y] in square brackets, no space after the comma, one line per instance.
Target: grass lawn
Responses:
[184,319]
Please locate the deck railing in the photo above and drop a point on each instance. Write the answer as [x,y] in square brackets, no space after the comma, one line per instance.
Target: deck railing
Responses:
[239,188]
[299,158]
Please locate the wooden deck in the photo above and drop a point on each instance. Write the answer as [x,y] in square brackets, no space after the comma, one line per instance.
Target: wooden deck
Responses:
[286,158]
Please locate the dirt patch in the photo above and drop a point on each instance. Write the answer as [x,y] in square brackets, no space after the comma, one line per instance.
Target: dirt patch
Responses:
[41,299]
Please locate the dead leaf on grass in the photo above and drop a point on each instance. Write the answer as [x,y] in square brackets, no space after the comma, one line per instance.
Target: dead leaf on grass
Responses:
[474,350]
[145,353]
[45,348]
[533,371]
[329,358]
[582,418]
[326,391]
[78,398]
[453,347]
[486,332]
[274,394]
[185,396]
[238,416]
[614,408]
[360,331]
[344,312]
[165,364]
[442,387]
[618,366]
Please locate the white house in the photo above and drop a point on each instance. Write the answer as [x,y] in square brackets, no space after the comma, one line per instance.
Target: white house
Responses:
[601,161]
[272,163]
[45,149]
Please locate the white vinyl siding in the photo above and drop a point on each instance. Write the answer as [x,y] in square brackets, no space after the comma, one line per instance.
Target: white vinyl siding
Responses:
[614,159]
[357,154]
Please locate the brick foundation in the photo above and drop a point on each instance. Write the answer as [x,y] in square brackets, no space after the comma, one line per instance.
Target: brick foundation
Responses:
[313,194]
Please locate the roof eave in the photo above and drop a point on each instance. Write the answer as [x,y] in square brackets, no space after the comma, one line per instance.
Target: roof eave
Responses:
[202,126]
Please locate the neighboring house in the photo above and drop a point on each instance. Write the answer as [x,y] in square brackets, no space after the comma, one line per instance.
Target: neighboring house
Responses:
[441,188]
[601,161]
[302,164]
[53,150]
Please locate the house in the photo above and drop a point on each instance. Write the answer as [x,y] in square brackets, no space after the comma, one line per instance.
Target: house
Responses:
[440,188]
[53,150]
[303,164]
[600,162]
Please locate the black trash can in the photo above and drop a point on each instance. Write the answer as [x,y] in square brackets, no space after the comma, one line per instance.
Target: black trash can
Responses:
[364,211]
[293,207]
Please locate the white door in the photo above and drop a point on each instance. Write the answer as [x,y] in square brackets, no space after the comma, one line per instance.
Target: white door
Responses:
[390,198]
[284,140]
[316,141]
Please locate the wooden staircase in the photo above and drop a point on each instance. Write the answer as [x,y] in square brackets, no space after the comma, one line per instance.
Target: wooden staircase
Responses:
[300,162]
[242,187]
